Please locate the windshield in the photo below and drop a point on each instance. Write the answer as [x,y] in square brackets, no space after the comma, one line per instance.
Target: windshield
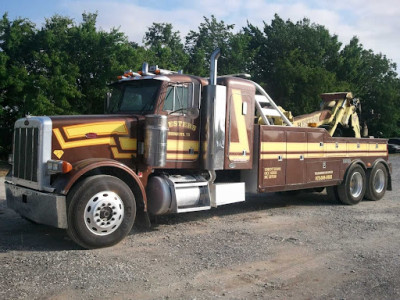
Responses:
[135,96]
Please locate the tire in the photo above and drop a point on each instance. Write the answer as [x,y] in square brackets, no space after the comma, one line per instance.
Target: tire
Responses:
[377,180]
[101,211]
[352,190]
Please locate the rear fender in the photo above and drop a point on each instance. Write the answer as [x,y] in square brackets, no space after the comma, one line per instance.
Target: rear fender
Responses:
[358,162]
[354,162]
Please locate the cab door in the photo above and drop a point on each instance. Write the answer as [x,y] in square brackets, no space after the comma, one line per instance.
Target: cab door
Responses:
[183,143]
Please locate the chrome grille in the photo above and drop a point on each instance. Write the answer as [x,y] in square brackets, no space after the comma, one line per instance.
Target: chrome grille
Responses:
[32,150]
[26,145]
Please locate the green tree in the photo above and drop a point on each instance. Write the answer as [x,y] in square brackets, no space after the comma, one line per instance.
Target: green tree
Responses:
[296,62]
[54,69]
[165,47]
[61,68]
[200,44]
[100,56]
[16,38]
[373,78]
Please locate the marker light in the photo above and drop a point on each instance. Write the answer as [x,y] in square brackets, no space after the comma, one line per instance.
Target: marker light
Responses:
[58,166]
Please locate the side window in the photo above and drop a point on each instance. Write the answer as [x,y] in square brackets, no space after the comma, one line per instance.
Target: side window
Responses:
[179,97]
[115,97]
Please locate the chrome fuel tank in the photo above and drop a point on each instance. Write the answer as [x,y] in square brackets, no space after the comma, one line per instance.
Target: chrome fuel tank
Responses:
[155,143]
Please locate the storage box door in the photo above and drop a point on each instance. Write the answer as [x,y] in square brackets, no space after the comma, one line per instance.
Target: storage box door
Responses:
[272,157]
[296,152]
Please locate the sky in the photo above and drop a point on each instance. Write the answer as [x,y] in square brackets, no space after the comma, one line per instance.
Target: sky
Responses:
[375,22]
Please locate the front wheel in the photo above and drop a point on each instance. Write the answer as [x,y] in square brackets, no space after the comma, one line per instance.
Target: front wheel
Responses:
[352,189]
[377,182]
[101,211]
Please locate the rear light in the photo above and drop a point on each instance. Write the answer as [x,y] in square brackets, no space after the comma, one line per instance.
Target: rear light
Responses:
[58,166]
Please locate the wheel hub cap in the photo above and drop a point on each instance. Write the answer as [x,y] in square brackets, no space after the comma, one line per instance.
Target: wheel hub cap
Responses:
[379,181]
[356,184]
[104,213]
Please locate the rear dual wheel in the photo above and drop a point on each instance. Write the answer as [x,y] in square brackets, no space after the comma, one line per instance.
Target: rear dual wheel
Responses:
[101,211]
[377,179]
[352,189]
[357,185]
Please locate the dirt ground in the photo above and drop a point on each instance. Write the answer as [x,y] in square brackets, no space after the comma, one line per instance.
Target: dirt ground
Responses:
[271,246]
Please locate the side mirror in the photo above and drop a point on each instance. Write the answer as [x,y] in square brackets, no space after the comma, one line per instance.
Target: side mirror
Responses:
[193,112]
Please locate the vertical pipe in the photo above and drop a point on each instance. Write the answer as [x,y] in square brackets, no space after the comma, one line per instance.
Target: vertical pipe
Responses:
[213,66]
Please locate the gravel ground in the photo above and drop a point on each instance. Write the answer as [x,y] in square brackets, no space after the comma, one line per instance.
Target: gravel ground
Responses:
[271,246]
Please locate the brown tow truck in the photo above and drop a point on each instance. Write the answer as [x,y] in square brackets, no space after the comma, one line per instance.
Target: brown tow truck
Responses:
[175,143]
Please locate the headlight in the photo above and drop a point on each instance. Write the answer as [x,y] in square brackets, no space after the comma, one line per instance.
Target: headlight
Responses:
[58,166]
[10,159]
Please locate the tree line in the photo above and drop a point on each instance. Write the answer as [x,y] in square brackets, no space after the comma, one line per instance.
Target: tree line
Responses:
[64,67]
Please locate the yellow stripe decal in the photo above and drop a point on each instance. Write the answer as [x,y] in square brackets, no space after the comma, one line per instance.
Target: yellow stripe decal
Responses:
[357,147]
[181,156]
[127,144]
[377,147]
[100,128]
[314,155]
[182,145]
[243,144]
[273,156]
[296,147]
[316,150]
[273,147]
[82,143]
[315,147]
[117,154]
[239,157]
[319,155]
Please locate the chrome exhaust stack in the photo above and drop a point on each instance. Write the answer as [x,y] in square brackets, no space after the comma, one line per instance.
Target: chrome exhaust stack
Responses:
[213,66]
[214,114]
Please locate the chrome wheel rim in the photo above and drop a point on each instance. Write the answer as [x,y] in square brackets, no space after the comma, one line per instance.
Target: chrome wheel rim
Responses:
[104,213]
[379,181]
[356,184]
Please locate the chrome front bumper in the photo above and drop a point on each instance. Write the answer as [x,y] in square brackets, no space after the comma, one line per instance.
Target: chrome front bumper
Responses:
[43,208]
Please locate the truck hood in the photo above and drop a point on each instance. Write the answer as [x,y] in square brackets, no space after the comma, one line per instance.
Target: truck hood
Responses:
[76,138]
